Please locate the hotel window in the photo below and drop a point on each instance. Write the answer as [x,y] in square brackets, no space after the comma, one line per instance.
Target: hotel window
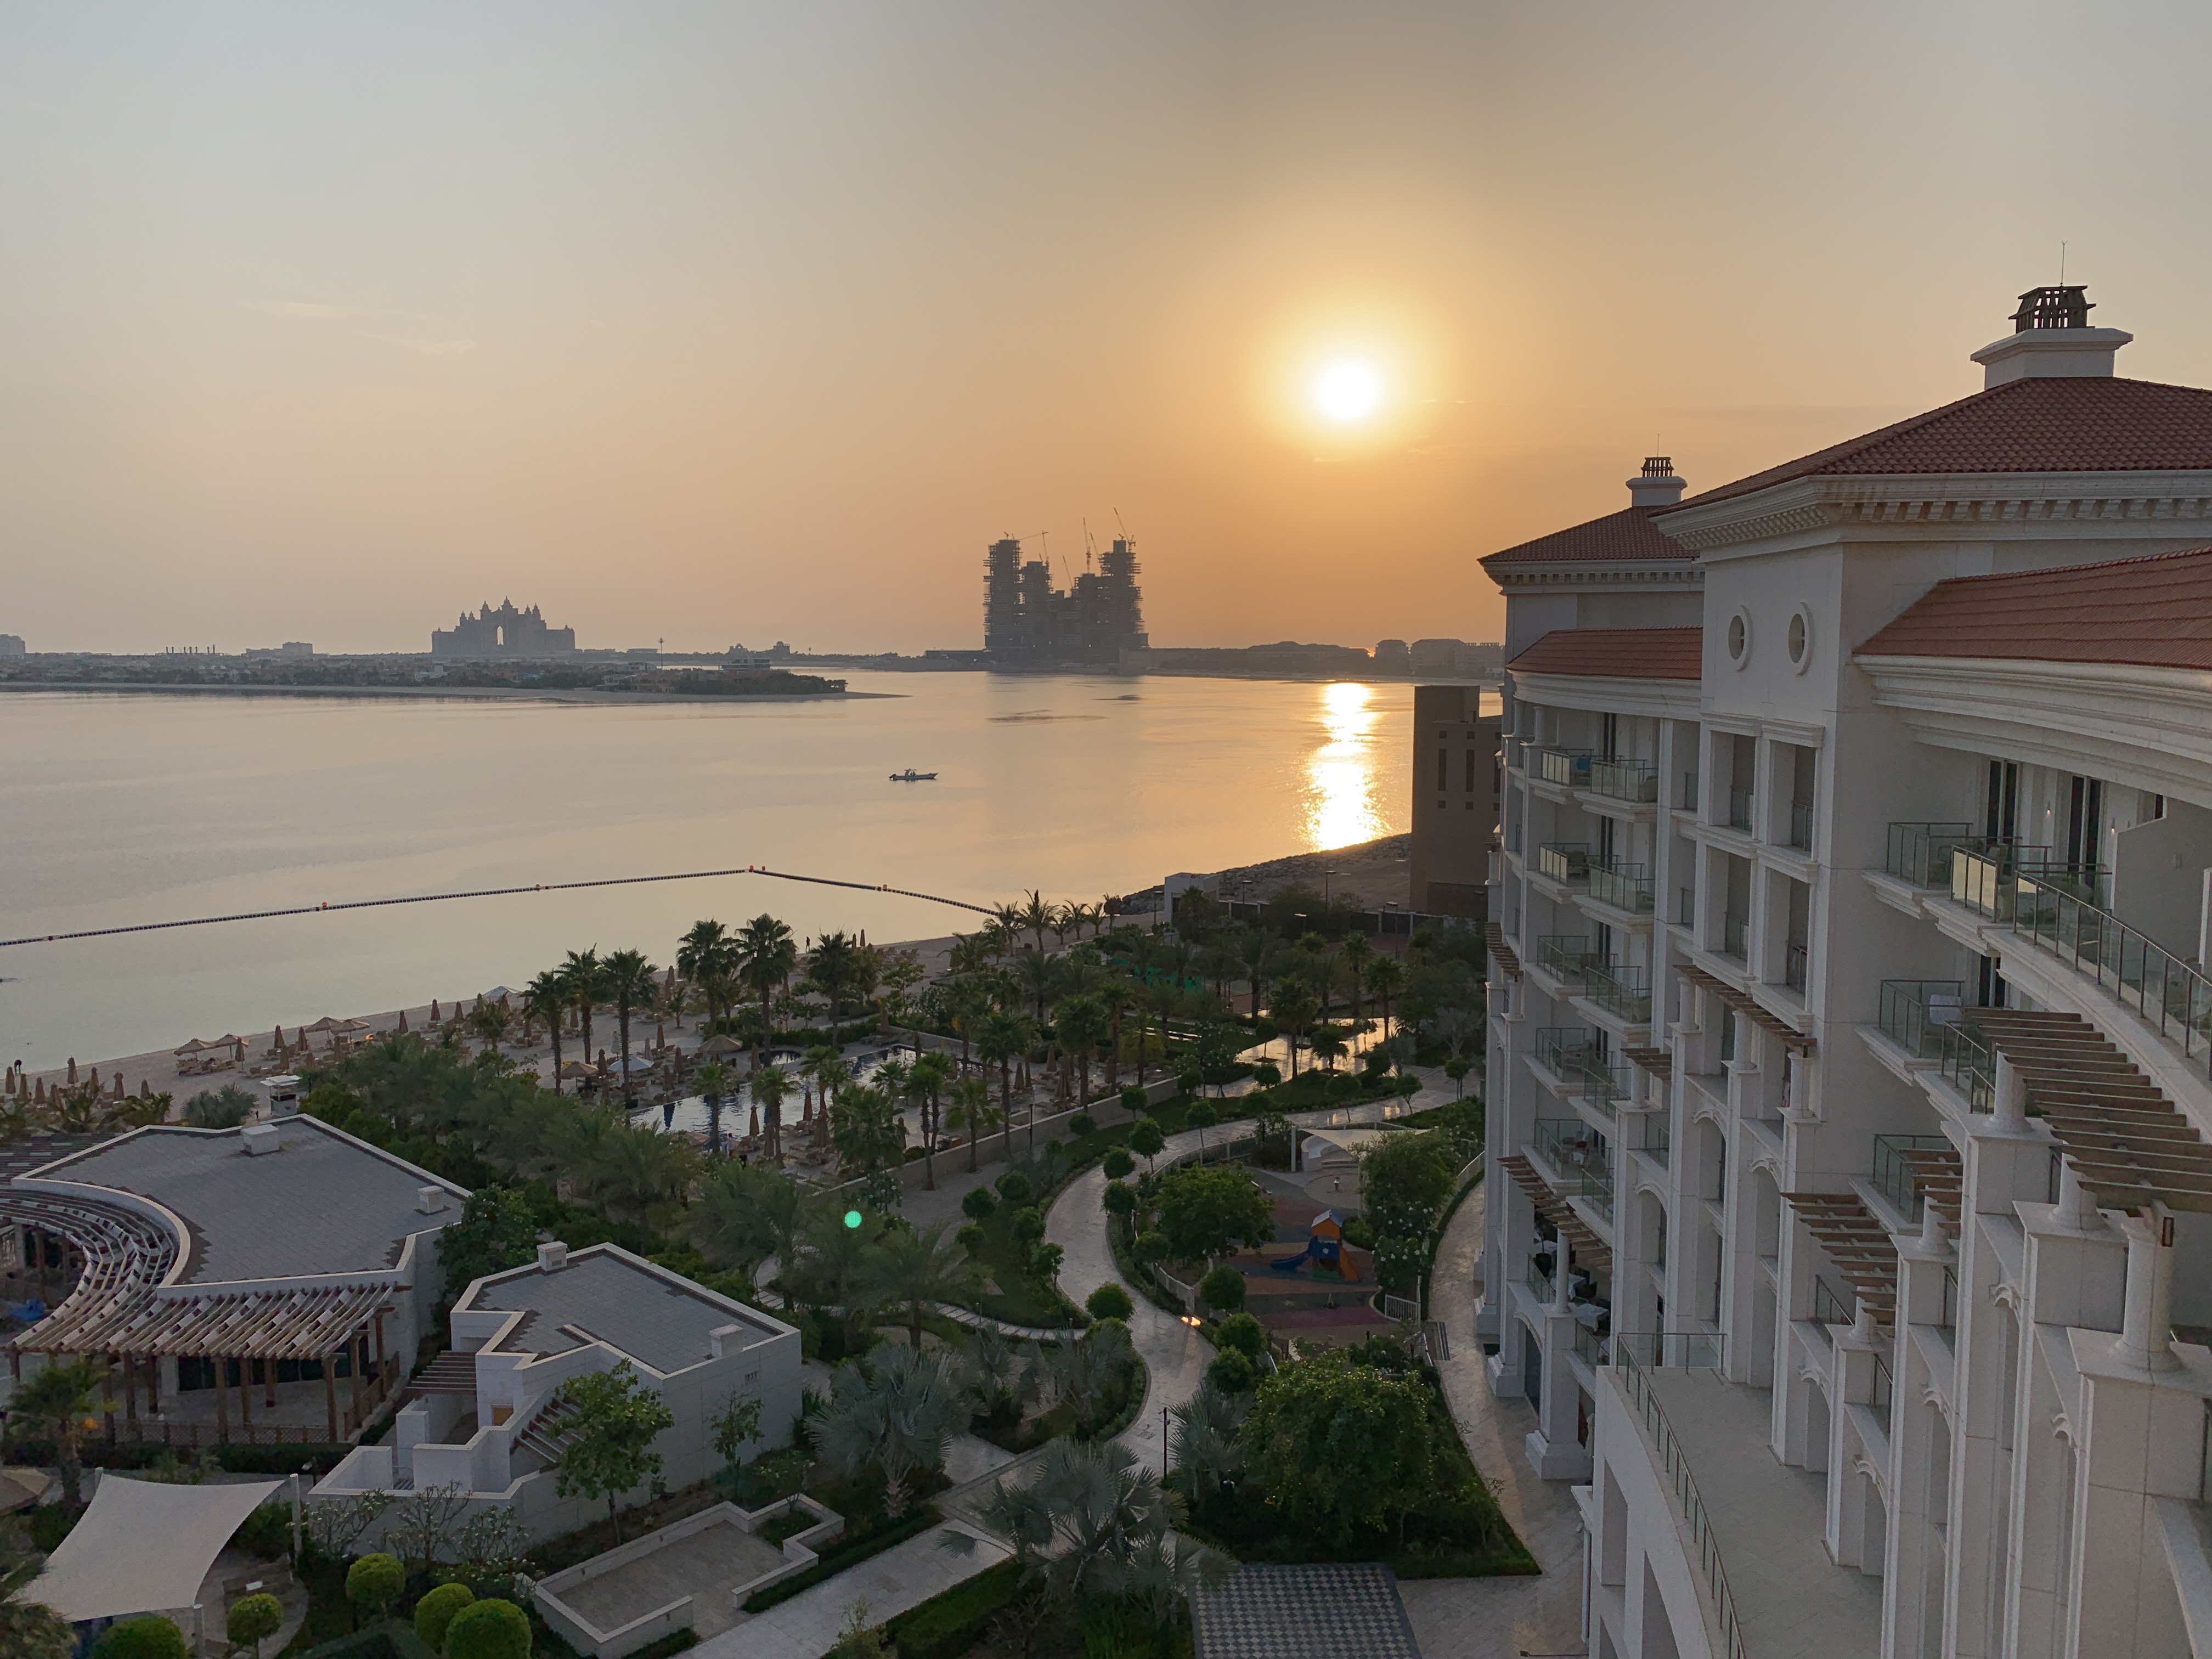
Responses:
[1473,756]
[1444,770]
[2003,818]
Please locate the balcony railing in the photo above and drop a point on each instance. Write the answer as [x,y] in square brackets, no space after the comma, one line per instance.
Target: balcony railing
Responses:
[1567,861]
[1739,807]
[1895,1176]
[1625,992]
[1675,1469]
[1633,780]
[1914,1012]
[1624,886]
[1589,1346]
[1689,791]
[1921,853]
[1968,1064]
[1538,1280]
[1987,879]
[1801,825]
[1949,1319]
[1572,1148]
[1598,1189]
[1570,767]
[1733,929]
[2158,986]
[1884,1389]
[1657,1138]
[1563,1047]
[1685,907]
[1568,956]
[1603,1083]
[1704,1351]
[1794,966]
[1828,1308]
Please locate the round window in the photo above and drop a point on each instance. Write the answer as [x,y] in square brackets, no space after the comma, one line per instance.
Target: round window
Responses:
[1800,639]
[1739,638]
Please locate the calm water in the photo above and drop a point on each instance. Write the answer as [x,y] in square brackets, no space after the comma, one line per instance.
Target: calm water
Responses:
[126,808]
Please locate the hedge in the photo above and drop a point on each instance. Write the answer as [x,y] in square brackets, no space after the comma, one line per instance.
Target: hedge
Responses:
[854,1552]
[952,1621]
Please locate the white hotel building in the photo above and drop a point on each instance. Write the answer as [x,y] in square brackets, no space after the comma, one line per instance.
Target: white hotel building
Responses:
[1848,1053]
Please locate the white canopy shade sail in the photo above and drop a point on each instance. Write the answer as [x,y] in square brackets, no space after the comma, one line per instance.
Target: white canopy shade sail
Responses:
[143,1547]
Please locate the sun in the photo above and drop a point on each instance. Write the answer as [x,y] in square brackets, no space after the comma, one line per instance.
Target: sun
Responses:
[1348,391]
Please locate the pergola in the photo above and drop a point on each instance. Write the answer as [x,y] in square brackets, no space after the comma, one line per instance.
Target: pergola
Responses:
[122,1307]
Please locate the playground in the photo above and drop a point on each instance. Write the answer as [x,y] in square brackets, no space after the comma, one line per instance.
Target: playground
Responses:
[1308,1284]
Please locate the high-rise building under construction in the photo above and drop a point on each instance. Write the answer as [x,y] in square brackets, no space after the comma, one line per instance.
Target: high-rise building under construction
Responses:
[1027,620]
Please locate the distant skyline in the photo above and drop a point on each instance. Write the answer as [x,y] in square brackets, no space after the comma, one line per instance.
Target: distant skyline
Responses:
[329,324]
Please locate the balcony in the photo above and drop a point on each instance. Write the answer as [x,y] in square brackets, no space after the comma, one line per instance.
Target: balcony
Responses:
[1801,825]
[1689,791]
[1625,993]
[1624,886]
[1633,780]
[1685,907]
[1988,879]
[2167,992]
[1885,1388]
[1563,1048]
[1657,1138]
[1900,1163]
[1732,930]
[1539,1279]
[1739,816]
[1567,767]
[1573,1148]
[1568,956]
[1829,1308]
[1565,861]
[1915,1012]
[1795,963]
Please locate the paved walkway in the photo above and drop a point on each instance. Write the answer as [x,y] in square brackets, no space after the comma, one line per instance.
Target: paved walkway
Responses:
[1495,1618]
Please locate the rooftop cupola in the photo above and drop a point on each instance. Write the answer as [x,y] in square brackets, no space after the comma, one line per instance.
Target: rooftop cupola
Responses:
[1657,484]
[2050,338]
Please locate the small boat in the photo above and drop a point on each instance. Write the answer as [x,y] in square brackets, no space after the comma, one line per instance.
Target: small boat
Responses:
[912,776]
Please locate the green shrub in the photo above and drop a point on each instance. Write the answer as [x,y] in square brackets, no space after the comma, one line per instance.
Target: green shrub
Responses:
[376,1581]
[1222,1290]
[1243,1333]
[1026,1226]
[149,1636]
[1044,1262]
[253,1618]
[1117,1162]
[1109,1301]
[850,1553]
[1119,1199]
[1082,1124]
[435,1611]
[1232,1372]
[972,1238]
[979,1203]
[1132,1099]
[267,1532]
[1014,1187]
[50,1524]
[489,1629]
[951,1622]
[1150,1246]
[1145,1136]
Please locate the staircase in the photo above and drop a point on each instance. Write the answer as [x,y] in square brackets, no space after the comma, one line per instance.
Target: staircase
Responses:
[551,1429]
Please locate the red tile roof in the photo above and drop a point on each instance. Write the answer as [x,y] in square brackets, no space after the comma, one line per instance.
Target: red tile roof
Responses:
[2154,612]
[2089,423]
[1621,653]
[1625,535]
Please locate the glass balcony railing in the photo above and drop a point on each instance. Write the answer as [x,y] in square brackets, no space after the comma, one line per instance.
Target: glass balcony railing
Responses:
[1603,1083]
[1625,992]
[2165,990]
[1567,861]
[1884,1389]
[1633,780]
[1570,767]
[1894,1175]
[1589,1346]
[1733,929]
[1949,1320]
[1914,1012]
[1739,807]
[1624,886]
[1563,1047]
[1801,825]
[1689,791]
[1968,1064]
[1921,853]
[1987,879]
[1657,1138]
[1828,1308]
[1568,956]
[1795,963]
[1539,1279]
[1690,1350]
[1685,907]
[1598,1190]
[1573,1148]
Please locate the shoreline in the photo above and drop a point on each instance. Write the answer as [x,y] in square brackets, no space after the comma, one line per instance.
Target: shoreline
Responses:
[483,693]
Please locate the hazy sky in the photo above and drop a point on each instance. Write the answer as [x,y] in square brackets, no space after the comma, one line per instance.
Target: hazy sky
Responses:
[744,322]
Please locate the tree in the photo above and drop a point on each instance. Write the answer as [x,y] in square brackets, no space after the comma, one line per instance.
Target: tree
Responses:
[736,1426]
[1199,1117]
[426,1523]
[376,1581]
[219,1109]
[871,1143]
[1242,1332]
[765,957]
[490,1552]
[490,1022]
[1109,1301]
[1117,1162]
[1203,1452]
[64,1403]
[1145,1136]
[978,1204]
[1003,1037]
[1294,1009]
[1119,1199]
[1232,1372]
[434,1613]
[149,1636]
[972,1113]
[546,998]
[28,1629]
[579,975]
[1081,1025]
[714,1080]
[253,1620]
[336,1524]
[626,979]
[617,1418]
[1404,1179]
[1330,1043]
[916,1271]
[1206,1213]
[926,1080]
[1089,1373]
[747,1214]
[708,957]
[489,1629]
[1384,977]
[1222,1290]
[769,1085]
[1341,1448]
[894,1412]
[498,1230]
[1456,1069]
[1002,1373]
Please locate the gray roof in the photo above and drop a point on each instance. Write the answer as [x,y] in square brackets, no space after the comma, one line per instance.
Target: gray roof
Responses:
[323,1204]
[1340,1611]
[664,1321]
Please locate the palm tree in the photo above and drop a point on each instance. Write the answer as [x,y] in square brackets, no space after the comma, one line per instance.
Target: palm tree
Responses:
[581,974]
[894,1412]
[626,980]
[1039,974]
[1256,946]
[1080,1024]
[1385,975]
[1004,1036]
[1202,1450]
[926,1080]
[832,966]
[972,1113]
[747,1214]
[490,1022]
[1328,1042]
[766,956]
[769,1085]
[1294,1007]
[65,1399]
[916,1271]
[1037,915]
[635,1169]
[1358,955]
[825,1067]
[28,1629]
[713,1079]
[968,1001]
[1002,1373]
[546,998]
[707,957]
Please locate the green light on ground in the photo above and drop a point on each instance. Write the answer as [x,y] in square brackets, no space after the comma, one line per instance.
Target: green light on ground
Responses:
[852,1217]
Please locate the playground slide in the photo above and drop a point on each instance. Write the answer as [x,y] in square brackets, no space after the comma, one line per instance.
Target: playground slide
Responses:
[1292,1263]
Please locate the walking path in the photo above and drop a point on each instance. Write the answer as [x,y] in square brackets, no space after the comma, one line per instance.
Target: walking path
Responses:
[1495,1617]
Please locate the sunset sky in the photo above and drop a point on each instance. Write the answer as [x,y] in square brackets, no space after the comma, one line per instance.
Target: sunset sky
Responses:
[736,322]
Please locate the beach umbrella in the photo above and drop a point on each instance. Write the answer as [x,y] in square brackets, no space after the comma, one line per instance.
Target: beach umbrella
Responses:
[145,1090]
[41,1094]
[95,1080]
[193,1047]
[403,1021]
[238,1049]
[72,1071]
[434,1011]
[752,1126]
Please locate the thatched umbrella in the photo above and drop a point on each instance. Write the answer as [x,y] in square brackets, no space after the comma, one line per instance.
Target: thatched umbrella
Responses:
[434,1011]
[192,1046]
[40,1093]
[72,1071]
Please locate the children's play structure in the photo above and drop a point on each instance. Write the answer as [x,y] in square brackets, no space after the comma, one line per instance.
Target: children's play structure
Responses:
[1324,1244]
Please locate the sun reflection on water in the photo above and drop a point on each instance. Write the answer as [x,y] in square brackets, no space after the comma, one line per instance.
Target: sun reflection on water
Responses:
[1341,809]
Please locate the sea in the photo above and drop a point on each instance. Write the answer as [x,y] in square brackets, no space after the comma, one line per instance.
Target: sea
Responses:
[128,808]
